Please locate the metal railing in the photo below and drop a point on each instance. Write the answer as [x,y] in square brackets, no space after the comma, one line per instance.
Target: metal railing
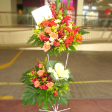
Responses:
[27,20]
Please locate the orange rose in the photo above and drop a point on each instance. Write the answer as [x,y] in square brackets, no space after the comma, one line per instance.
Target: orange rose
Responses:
[40,65]
[47,30]
[40,73]
[36,84]
[54,35]
[50,84]
[46,47]
[40,35]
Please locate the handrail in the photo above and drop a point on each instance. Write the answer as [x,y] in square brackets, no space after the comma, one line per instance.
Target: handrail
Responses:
[71,14]
[109,29]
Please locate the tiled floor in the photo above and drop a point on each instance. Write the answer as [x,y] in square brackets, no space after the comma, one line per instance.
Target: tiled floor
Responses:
[98,105]
[84,66]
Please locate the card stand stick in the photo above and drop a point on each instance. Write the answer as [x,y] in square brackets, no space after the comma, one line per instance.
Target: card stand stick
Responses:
[55,107]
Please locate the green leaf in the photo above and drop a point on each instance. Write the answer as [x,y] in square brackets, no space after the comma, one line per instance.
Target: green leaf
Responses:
[26,78]
[34,42]
[40,101]
[36,68]
[67,50]
[29,95]
[31,38]
[45,105]
[56,53]
[51,52]
[72,48]
[47,97]
[82,32]
[64,98]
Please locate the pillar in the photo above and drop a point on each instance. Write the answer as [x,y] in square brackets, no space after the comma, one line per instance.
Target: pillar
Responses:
[79,19]
[8,19]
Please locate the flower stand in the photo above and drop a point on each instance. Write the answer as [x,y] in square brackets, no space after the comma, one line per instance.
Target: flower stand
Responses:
[56,106]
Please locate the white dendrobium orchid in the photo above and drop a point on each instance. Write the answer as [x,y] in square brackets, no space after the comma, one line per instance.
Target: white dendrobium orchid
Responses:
[51,39]
[57,26]
[70,25]
[64,37]
[37,27]
[60,40]
[57,21]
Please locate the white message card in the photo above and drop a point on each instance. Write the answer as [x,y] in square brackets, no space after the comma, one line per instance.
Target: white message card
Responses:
[42,13]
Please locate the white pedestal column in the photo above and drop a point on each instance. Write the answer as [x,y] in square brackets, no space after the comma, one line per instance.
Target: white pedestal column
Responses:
[79,19]
[8,19]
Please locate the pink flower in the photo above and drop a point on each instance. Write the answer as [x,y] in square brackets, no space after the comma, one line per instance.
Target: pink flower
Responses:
[40,72]
[46,47]
[54,35]
[36,84]
[50,84]
[41,34]
[40,65]
[47,30]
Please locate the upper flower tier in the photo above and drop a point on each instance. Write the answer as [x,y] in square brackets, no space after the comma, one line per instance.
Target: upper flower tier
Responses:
[58,33]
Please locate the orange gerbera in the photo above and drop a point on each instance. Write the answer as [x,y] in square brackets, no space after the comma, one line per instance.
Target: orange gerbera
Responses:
[69,39]
[52,23]
[68,17]
[45,22]
[70,8]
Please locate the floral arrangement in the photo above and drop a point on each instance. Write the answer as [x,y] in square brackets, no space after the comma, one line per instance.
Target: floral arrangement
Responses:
[57,34]
[48,82]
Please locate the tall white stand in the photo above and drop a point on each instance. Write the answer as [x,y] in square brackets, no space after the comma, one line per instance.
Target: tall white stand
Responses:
[55,106]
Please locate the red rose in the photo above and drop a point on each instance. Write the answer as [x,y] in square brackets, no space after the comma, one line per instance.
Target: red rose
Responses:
[56,43]
[45,38]
[55,93]
[48,79]
[45,75]
[43,87]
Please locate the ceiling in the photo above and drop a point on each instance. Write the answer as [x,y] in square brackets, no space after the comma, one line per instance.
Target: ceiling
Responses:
[100,4]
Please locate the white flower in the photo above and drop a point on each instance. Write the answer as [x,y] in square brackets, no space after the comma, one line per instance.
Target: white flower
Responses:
[51,39]
[64,37]
[66,74]
[59,67]
[55,74]
[57,26]
[60,40]
[50,70]
[57,21]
